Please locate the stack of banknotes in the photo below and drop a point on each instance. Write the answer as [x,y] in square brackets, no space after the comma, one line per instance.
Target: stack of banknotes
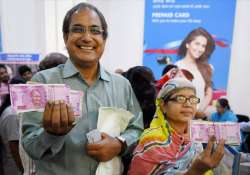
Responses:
[200,131]
[33,97]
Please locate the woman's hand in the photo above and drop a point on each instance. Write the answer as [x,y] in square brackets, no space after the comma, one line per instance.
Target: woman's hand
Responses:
[209,158]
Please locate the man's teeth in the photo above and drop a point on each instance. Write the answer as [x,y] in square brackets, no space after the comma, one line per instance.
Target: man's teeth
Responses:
[86,47]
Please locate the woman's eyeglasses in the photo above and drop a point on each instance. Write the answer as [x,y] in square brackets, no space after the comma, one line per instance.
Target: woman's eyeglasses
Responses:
[182,99]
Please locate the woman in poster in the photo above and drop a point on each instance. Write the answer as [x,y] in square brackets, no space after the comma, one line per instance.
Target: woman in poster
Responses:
[195,51]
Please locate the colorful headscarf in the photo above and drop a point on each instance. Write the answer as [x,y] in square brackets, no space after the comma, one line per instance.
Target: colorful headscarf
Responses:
[173,73]
[161,149]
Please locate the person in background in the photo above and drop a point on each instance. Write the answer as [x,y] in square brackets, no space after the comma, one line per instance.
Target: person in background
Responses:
[142,81]
[224,112]
[119,71]
[4,82]
[245,138]
[245,126]
[52,60]
[9,133]
[165,147]
[167,68]
[25,72]
[27,162]
[195,51]
[1,157]
[58,145]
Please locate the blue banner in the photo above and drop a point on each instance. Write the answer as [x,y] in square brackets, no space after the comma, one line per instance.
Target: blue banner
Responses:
[167,23]
[19,58]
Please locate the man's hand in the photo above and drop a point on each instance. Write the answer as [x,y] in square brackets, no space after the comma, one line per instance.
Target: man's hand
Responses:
[209,158]
[106,149]
[58,118]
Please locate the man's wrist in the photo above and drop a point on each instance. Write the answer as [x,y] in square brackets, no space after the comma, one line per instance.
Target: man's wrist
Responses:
[122,140]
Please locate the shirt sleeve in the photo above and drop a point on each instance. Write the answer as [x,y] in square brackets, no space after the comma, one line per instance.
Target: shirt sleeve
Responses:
[233,117]
[135,127]
[12,128]
[212,117]
[245,126]
[35,140]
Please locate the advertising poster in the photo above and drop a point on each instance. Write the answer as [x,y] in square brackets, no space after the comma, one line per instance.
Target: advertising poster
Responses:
[168,22]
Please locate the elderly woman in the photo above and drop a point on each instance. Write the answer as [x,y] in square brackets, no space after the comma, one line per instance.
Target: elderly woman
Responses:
[165,148]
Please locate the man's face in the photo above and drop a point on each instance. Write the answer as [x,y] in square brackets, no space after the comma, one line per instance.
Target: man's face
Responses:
[85,47]
[219,108]
[27,76]
[4,76]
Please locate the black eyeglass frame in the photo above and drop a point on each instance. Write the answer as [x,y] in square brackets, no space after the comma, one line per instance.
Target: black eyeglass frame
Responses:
[93,30]
[195,100]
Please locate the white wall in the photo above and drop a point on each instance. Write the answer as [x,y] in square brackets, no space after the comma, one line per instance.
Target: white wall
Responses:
[22,24]
[125,42]
[55,11]
[239,76]
[35,26]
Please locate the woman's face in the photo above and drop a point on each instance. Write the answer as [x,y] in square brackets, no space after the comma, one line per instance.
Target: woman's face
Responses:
[219,108]
[196,47]
[180,112]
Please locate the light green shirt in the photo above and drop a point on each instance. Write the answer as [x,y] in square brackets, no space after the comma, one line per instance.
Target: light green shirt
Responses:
[66,154]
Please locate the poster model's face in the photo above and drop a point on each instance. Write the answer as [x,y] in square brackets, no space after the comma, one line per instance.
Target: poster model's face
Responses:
[197,47]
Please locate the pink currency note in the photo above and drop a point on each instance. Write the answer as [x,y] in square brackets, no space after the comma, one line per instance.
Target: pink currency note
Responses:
[230,132]
[76,98]
[200,131]
[28,97]
[57,92]
[33,97]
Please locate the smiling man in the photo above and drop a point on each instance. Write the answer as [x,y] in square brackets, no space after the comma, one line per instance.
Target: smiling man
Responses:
[58,146]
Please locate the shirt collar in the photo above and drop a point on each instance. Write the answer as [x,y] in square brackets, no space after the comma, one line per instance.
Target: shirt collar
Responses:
[70,70]
[104,75]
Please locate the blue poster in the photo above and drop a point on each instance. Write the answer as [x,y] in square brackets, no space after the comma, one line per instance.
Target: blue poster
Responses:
[19,58]
[168,22]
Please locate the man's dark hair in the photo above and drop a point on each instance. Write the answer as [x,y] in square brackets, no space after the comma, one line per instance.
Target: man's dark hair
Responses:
[142,80]
[167,68]
[3,66]
[224,103]
[80,6]
[22,69]
[52,60]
